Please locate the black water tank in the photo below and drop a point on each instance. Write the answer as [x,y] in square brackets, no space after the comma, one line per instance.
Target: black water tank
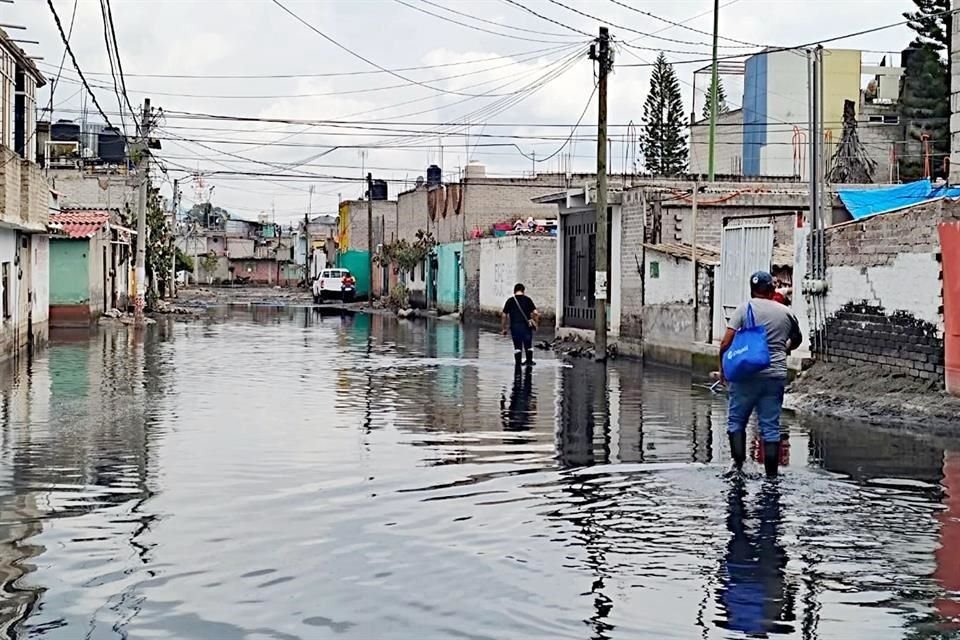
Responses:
[65,131]
[379,190]
[434,176]
[111,146]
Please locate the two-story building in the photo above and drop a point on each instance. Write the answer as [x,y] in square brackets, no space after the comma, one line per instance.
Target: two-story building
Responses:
[25,200]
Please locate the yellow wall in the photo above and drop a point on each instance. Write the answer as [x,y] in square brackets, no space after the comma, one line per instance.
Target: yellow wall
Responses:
[841,81]
[344,226]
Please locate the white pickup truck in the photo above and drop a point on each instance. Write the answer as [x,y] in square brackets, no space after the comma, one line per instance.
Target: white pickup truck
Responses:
[334,284]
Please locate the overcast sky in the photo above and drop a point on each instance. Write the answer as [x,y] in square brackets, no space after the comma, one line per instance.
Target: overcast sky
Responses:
[257,37]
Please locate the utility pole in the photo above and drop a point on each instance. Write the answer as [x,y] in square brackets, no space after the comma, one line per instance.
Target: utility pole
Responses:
[714,98]
[143,171]
[370,234]
[600,51]
[173,238]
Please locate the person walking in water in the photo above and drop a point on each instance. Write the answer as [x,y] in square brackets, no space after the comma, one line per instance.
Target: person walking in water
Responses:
[762,391]
[520,315]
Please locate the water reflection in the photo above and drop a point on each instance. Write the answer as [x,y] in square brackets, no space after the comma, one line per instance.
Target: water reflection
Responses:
[294,473]
[752,578]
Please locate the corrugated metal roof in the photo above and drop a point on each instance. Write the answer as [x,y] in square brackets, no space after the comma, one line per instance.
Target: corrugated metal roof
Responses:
[79,223]
[705,255]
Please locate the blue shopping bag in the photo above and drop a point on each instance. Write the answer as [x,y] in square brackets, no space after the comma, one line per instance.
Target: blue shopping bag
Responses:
[750,351]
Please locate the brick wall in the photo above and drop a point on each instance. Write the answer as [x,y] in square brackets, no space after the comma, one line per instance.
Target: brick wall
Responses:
[897,342]
[883,305]
[536,269]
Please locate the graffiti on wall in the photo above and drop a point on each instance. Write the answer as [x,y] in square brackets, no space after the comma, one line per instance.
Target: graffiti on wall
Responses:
[504,277]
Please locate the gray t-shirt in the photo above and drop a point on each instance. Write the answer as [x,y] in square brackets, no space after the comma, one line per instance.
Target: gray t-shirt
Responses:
[779,322]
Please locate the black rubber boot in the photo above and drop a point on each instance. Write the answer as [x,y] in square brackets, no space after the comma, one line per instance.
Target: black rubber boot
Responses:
[518,358]
[530,361]
[738,449]
[771,458]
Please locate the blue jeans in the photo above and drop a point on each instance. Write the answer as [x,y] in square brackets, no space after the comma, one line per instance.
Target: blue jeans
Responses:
[763,394]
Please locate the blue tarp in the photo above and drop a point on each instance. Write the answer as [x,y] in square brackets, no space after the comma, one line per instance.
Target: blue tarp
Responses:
[863,203]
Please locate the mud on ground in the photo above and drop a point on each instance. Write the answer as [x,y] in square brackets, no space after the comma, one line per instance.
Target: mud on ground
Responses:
[864,394]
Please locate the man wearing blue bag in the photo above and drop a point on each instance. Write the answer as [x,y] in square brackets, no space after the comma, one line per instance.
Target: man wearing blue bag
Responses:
[753,360]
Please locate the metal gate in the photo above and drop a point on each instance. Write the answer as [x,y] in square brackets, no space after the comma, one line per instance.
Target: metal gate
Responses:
[744,250]
[579,263]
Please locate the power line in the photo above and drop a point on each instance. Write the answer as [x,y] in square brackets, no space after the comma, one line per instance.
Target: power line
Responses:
[63,58]
[548,19]
[76,65]
[365,59]
[683,26]
[632,30]
[116,54]
[335,74]
[570,137]
[470,26]
[348,91]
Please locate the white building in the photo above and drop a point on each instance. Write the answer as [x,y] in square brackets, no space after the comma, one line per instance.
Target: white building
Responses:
[25,200]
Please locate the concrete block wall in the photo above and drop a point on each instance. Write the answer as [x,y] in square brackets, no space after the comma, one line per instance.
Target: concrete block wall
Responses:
[631,278]
[77,189]
[506,261]
[472,257]
[384,222]
[884,299]
[9,187]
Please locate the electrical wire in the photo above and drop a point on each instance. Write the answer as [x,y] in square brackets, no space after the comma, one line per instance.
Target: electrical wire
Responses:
[632,30]
[76,65]
[365,59]
[110,59]
[63,59]
[335,74]
[116,54]
[470,26]
[684,26]
[548,19]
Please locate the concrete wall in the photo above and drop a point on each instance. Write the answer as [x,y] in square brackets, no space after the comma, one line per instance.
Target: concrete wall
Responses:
[98,245]
[506,261]
[631,275]
[353,223]
[471,277]
[728,150]
[358,263]
[77,189]
[884,299]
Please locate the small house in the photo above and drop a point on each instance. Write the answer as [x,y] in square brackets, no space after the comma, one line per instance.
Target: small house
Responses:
[90,265]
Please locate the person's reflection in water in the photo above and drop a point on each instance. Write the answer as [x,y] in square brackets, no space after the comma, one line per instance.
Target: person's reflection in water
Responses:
[517,416]
[752,586]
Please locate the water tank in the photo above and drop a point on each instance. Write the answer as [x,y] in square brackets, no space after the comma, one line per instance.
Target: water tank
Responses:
[379,190]
[65,131]
[475,170]
[434,176]
[111,146]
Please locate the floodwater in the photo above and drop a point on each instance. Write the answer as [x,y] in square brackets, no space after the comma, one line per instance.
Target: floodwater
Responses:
[277,474]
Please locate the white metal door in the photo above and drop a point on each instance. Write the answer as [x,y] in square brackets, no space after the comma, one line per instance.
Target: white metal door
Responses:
[744,250]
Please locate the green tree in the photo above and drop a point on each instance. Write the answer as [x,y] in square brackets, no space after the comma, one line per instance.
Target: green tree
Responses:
[662,140]
[160,249]
[721,99]
[925,111]
[931,21]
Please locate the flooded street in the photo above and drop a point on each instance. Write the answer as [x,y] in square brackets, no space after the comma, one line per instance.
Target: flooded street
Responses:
[277,474]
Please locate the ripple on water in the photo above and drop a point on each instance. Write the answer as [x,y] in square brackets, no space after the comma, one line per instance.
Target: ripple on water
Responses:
[276,473]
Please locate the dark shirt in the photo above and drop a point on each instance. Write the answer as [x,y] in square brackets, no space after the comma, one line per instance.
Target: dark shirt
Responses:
[520,309]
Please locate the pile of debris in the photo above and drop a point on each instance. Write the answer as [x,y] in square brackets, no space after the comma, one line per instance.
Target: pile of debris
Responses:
[576,348]
[165,308]
[115,316]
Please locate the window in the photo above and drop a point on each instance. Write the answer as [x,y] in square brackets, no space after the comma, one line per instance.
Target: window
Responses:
[423,271]
[654,270]
[5,283]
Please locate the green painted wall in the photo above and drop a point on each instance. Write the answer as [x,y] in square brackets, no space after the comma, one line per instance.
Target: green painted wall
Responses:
[358,262]
[450,276]
[69,271]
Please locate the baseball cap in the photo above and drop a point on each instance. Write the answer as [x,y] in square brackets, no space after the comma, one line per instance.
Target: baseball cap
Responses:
[761,280]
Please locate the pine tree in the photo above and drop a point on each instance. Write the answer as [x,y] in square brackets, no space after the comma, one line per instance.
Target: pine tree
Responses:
[662,140]
[931,21]
[925,110]
[721,99]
